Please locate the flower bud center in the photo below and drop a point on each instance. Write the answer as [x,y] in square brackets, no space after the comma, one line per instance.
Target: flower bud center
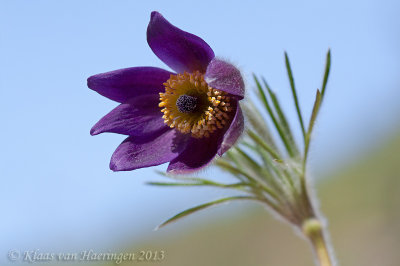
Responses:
[186,103]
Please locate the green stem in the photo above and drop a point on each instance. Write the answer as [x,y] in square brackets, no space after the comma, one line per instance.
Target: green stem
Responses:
[313,229]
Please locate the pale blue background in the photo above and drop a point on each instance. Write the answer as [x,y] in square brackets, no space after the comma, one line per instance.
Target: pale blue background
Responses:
[56,189]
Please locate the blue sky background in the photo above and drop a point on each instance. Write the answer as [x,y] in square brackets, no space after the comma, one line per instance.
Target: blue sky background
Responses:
[56,189]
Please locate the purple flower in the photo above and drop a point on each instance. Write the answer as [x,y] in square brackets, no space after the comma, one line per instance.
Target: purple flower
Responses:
[185,118]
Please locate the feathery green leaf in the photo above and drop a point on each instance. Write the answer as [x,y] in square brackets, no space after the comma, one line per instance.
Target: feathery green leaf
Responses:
[263,144]
[326,75]
[273,118]
[314,114]
[257,122]
[209,183]
[282,117]
[203,206]
[290,74]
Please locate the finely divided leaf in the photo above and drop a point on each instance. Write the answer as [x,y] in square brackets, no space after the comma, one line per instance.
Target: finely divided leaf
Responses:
[282,117]
[263,145]
[257,122]
[203,206]
[214,184]
[290,74]
[278,127]
[314,114]
[326,75]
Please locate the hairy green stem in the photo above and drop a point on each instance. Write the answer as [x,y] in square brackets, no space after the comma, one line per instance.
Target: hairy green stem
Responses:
[313,230]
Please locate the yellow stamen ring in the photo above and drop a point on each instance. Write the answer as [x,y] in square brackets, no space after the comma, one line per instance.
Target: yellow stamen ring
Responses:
[212,107]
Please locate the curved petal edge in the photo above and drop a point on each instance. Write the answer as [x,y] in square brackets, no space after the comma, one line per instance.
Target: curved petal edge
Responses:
[139,116]
[124,84]
[180,50]
[198,154]
[153,149]
[224,76]
[234,131]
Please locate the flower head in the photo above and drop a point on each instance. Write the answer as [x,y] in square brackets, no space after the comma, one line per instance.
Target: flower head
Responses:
[185,118]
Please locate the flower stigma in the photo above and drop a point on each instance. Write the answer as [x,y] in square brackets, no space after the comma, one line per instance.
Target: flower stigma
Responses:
[191,106]
[186,103]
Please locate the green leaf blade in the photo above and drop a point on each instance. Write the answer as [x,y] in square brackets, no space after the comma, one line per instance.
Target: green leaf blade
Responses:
[296,101]
[273,118]
[257,122]
[199,184]
[282,118]
[317,105]
[203,206]
[263,145]
[326,74]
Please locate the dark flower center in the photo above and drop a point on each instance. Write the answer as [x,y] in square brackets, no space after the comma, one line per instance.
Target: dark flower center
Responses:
[192,107]
[186,103]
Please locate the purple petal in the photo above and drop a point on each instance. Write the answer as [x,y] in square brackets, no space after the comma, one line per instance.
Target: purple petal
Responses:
[124,84]
[139,116]
[180,50]
[233,133]
[148,150]
[198,154]
[226,77]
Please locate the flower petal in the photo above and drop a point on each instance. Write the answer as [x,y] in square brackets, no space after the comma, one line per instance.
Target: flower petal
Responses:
[224,76]
[149,150]
[139,116]
[233,133]
[124,84]
[180,50]
[198,154]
